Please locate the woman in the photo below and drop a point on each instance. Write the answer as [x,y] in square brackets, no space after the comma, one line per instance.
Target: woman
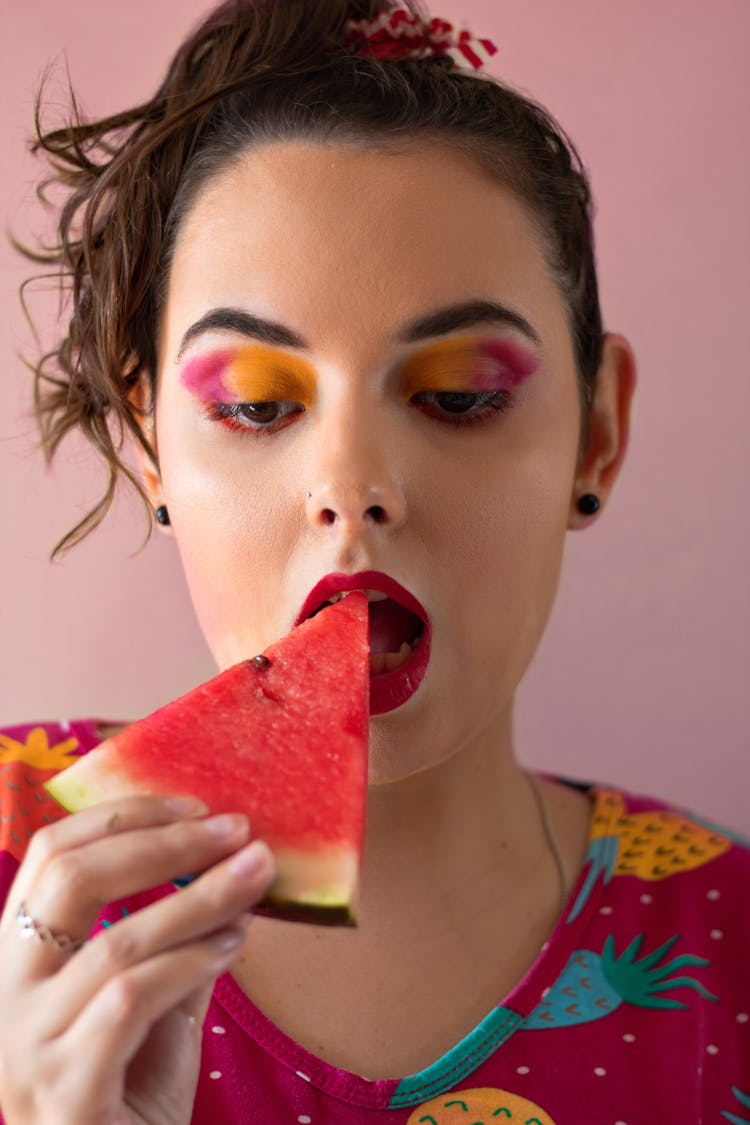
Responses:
[393,258]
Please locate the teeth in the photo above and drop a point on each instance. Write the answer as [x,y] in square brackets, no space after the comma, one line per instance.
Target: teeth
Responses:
[388,661]
[372,595]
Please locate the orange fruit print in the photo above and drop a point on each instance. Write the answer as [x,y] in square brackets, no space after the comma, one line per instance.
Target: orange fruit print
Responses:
[485,1106]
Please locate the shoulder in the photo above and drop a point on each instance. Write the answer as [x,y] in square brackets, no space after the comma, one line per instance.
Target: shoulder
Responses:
[660,858]
[30,754]
[675,863]
[681,837]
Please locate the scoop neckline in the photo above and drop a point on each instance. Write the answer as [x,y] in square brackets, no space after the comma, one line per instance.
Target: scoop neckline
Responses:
[473,1049]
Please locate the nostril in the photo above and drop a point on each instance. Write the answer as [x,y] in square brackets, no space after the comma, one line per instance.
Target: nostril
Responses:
[375,512]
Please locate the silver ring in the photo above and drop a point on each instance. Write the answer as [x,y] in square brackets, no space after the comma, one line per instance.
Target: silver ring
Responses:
[29,928]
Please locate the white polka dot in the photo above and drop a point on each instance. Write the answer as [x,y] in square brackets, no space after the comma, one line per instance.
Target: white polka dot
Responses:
[304,1119]
[712,1049]
[629,1038]
[713,895]
[305,1076]
[215,1074]
[743,1017]
[217,1030]
[599,1071]
[605,910]
[646,899]
[620,1122]
[522,1070]
[717,935]
[546,992]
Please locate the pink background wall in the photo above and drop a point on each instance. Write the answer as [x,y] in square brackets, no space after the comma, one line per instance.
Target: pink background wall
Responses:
[643,675]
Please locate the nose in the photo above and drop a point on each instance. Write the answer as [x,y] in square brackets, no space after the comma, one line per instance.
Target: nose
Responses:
[355,486]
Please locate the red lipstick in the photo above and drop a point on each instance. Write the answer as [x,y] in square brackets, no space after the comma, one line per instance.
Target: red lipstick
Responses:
[388,690]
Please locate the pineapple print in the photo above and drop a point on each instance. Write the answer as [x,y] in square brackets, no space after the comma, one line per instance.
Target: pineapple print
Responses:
[25,805]
[744,1100]
[484,1106]
[651,845]
[593,985]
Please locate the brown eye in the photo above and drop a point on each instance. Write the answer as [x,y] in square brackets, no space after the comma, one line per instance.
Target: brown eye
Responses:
[263,412]
[455,402]
[254,417]
[463,408]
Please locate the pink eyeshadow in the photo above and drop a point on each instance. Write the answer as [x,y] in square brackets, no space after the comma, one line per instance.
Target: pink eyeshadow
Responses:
[203,376]
[508,365]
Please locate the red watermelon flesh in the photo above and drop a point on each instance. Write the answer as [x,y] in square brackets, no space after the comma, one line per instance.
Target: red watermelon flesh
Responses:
[284,742]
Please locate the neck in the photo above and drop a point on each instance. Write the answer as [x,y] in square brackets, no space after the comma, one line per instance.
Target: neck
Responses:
[447,834]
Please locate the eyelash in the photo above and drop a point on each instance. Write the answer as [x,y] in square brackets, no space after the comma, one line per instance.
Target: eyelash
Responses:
[487,402]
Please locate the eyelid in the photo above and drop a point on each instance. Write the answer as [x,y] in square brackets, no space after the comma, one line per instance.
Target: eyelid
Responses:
[252,373]
[468,363]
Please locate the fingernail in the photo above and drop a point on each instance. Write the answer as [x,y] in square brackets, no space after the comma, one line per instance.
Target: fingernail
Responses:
[228,940]
[186,806]
[226,824]
[253,860]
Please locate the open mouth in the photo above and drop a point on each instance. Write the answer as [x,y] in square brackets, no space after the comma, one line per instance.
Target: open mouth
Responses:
[394,631]
[400,634]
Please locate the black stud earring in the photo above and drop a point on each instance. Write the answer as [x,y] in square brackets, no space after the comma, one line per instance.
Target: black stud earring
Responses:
[162,515]
[588,504]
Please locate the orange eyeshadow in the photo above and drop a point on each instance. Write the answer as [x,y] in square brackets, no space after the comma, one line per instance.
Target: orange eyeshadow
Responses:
[255,373]
[468,363]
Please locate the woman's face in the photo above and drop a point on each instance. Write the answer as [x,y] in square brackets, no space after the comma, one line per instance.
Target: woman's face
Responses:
[441,454]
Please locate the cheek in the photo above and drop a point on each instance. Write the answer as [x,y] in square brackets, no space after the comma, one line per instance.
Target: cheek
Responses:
[509,534]
[227,521]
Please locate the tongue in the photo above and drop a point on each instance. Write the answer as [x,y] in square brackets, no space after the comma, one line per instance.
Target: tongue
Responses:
[390,625]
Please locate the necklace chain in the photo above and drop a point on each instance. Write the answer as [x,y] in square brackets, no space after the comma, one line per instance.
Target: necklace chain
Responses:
[554,846]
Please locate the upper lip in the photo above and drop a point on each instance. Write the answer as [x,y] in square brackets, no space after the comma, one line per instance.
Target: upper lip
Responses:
[363,580]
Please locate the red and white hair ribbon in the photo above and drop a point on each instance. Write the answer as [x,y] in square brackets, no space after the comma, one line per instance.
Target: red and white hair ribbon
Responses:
[400,35]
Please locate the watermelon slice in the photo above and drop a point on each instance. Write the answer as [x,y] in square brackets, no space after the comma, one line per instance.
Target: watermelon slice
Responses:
[281,738]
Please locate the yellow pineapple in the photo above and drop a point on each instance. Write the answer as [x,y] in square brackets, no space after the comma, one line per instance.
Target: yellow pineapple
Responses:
[485,1106]
[656,843]
[651,845]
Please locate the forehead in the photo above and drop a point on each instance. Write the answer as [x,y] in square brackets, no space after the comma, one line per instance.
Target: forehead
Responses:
[365,236]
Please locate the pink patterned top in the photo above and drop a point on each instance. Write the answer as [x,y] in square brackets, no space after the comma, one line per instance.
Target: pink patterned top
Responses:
[637,1009]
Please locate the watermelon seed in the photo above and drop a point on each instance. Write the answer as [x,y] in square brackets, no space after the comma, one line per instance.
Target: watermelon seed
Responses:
[260,662]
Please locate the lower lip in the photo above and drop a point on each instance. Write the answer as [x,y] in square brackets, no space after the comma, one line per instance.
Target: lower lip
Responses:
[391,689]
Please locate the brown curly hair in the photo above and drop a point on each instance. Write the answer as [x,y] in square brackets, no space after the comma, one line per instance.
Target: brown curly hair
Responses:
[255,71]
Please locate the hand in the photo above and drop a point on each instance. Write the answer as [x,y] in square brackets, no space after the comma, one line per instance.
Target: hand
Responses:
[111,1034]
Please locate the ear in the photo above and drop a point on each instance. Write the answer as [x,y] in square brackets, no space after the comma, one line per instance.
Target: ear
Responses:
[609,427]
[141,398]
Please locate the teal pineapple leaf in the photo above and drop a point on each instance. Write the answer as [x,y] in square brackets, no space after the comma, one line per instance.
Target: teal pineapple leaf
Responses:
[639,981]
[601,856]
[744,1100]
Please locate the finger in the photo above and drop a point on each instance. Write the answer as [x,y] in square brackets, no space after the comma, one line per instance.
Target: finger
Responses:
[119,1017]
[220,897]
[73,887]
[106,819]
[196,1005]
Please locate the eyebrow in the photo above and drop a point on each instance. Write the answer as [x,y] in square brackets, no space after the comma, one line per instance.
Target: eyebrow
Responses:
[440,322]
